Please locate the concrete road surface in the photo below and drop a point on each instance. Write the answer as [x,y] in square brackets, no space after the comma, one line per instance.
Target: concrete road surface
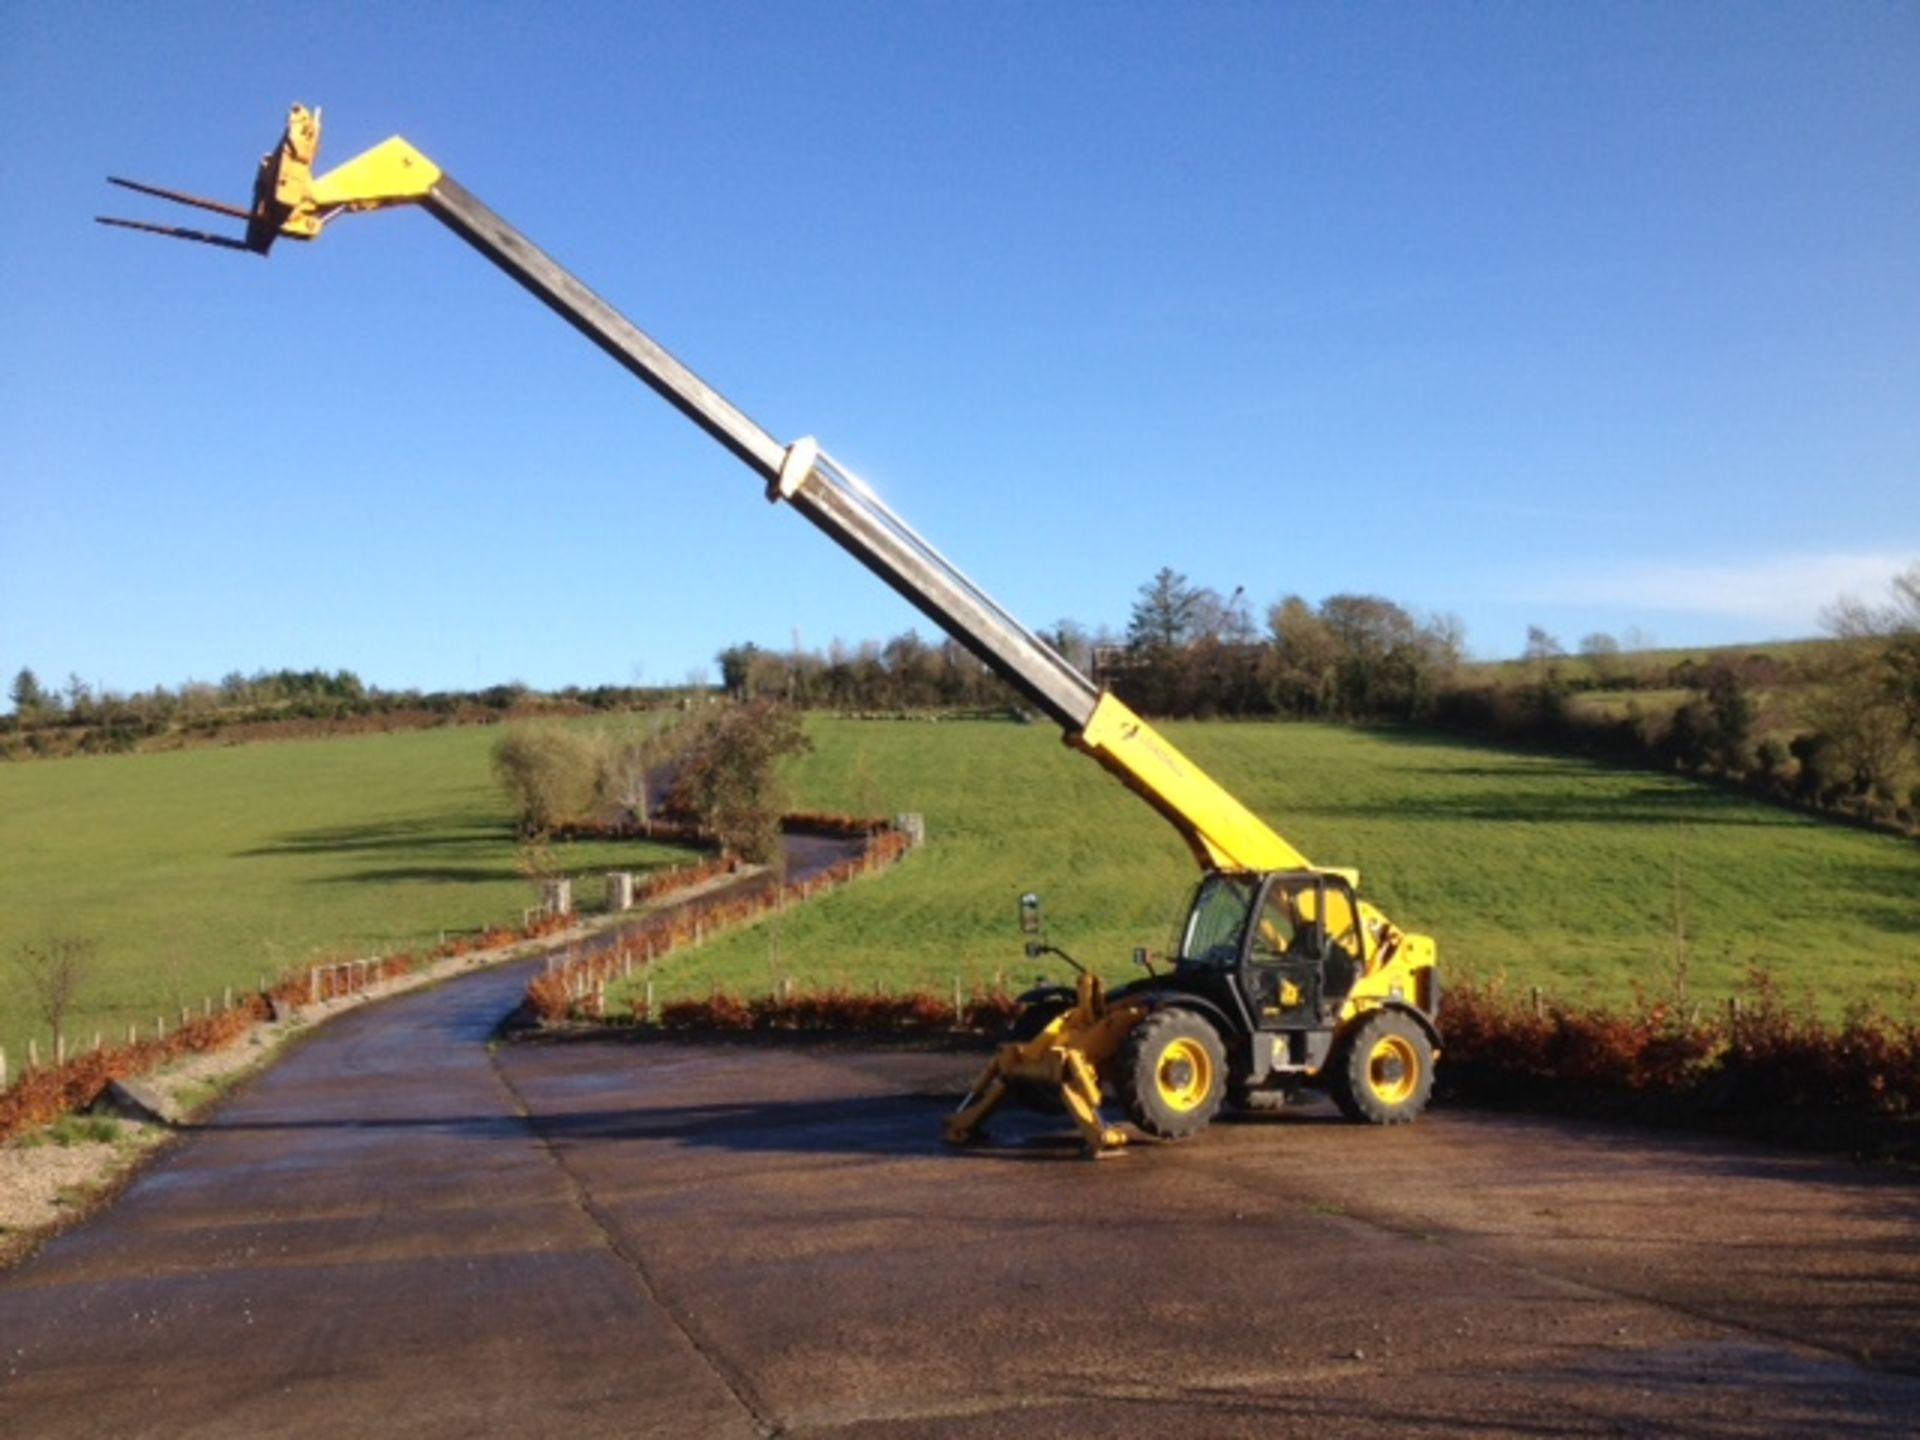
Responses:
[399,1231]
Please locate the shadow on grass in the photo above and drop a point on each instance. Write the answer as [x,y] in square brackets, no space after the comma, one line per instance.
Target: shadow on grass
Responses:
[438,849]
[431,874]
[414,836]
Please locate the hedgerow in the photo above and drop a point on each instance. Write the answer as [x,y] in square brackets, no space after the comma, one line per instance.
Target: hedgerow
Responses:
[1763,1051]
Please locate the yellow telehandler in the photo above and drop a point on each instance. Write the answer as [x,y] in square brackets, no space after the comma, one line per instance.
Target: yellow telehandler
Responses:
[1284,977]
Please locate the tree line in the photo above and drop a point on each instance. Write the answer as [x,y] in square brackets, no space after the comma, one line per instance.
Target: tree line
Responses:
[1834,727]
[904,673]
[1186,652]
[83,718]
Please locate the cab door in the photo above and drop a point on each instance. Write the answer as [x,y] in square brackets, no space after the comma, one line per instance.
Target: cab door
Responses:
[1281,977]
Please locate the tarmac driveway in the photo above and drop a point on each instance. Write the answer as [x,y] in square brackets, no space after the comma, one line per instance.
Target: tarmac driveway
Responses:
[400,1229]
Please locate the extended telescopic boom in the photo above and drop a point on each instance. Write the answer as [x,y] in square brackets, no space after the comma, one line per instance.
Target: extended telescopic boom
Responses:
[291,202]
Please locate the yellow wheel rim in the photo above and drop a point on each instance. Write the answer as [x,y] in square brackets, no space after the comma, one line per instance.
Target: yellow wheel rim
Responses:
[1393,1070]
[1184,1076]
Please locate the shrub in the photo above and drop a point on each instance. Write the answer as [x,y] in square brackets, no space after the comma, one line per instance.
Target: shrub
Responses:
[548,771]
[729,775]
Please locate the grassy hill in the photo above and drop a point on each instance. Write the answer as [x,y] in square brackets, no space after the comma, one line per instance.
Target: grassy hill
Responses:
[1550,871]
[199,869]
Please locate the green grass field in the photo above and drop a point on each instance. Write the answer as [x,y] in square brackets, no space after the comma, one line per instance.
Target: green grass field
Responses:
[198,869]
[1549,871]
[203,868]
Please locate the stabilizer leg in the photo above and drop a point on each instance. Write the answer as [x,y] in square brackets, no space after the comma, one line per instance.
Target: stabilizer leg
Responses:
[1080,1088]
[982,1100]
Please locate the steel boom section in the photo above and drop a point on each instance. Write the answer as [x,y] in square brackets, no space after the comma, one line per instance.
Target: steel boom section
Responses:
[859,525]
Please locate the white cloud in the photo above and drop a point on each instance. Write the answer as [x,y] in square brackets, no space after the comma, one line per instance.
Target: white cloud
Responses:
[1789,591]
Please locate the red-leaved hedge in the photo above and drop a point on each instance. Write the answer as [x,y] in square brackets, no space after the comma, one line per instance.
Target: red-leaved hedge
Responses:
[573,987]
[1764,1050]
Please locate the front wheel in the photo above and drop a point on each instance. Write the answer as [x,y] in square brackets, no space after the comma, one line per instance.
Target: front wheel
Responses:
[1383,1073]
[1172,1074]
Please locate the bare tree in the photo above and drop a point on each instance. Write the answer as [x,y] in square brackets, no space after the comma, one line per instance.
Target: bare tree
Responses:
[54,972]
[1868,705]
[1602,654]
[1444,638]
[1542,647]
[629,757]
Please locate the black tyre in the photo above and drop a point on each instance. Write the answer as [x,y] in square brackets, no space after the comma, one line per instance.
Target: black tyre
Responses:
[1171,1074]
[1029,1022]
[1383,1071]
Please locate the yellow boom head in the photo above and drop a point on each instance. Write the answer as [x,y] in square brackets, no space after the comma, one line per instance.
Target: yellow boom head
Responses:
[287,198]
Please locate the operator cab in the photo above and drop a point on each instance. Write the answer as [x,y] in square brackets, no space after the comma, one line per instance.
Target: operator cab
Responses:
[1282,950]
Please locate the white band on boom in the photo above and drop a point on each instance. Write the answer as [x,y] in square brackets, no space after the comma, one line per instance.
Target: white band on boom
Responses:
[794,469]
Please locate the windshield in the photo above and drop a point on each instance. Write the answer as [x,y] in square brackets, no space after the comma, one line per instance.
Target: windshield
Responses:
[1219,914]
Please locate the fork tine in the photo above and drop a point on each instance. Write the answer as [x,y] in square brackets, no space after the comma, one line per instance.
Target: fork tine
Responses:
[181,197]
[175,232]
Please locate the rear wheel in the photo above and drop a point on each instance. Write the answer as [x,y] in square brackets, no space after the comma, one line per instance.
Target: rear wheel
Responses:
[1172,1074]
[1383,1074]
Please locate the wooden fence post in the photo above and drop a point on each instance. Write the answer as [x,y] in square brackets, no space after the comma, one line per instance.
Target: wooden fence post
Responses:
[313,986]
[33,1053]
[3,1067]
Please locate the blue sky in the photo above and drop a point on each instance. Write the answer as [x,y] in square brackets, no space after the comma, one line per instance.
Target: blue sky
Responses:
[1595,317]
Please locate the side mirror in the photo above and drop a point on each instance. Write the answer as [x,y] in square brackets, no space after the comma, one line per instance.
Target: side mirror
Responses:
[1030,914]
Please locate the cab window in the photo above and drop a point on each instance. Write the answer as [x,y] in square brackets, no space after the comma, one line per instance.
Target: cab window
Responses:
[1218,917]
[1283,927]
